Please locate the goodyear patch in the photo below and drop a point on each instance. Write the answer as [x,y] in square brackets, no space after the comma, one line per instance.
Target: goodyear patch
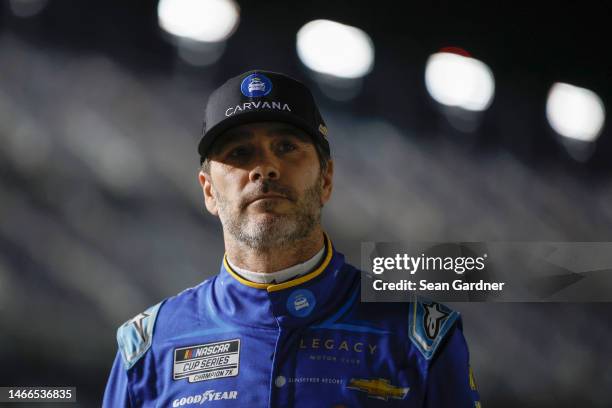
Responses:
[207,361]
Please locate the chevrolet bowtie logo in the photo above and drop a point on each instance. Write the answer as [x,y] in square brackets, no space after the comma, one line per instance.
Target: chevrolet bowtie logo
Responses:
[379,388]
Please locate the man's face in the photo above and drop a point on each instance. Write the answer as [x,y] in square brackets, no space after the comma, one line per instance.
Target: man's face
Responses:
[265,184]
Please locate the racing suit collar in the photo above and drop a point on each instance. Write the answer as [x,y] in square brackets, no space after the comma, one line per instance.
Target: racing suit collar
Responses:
[273,287]
[294,303]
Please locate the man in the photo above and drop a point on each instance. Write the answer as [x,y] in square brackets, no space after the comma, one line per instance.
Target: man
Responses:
[282,324]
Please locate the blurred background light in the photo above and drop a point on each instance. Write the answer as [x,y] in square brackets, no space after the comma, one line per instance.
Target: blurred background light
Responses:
[574,112]
[459,81]
[27,8]
[338,89]
[336,49]
[199,20]
[200,54]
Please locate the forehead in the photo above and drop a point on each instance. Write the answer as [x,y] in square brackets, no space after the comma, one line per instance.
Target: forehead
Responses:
[251,130]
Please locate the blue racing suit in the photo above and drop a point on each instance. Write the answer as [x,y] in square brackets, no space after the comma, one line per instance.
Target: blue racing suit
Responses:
[308,342]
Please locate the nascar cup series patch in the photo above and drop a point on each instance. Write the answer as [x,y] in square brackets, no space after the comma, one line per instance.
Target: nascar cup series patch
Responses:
[207,361]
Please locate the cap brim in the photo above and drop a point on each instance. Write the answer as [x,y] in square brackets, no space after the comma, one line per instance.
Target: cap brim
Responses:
[256,116]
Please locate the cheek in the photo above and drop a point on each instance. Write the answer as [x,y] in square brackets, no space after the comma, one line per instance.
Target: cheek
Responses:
[312,171]
[305,178]
[228,184]
[311,177]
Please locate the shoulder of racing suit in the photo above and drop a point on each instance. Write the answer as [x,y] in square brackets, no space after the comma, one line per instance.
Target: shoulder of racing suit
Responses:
[428,324]
[136,335]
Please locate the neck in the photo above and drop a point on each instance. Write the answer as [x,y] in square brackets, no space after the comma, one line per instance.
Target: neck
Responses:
[272,259]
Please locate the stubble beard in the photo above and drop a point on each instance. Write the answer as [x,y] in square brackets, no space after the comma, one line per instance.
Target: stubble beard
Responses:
[273,230]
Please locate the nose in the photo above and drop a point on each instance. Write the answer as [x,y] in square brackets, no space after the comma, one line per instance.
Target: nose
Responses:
[266,167]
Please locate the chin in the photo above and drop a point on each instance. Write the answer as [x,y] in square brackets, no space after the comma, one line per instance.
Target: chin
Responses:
[272,226]
[268,214]
[270,223]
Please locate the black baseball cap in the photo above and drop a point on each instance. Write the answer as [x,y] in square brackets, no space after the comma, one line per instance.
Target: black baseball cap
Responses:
[257,96]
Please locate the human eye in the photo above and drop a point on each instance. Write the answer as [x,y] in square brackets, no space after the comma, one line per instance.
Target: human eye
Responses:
[286,146]
[239,152]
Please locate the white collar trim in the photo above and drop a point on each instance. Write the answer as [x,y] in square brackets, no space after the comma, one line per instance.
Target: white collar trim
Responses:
[283,275]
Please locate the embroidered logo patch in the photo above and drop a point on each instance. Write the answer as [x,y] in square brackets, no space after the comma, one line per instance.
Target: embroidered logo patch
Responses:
[301,303]
[256,86]
[207,361]
[378,388]
[434,318]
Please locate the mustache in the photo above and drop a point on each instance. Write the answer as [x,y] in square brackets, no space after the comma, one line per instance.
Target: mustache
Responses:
[267,187]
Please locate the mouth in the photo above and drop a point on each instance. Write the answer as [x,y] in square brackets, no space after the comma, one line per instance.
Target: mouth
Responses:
[266,197]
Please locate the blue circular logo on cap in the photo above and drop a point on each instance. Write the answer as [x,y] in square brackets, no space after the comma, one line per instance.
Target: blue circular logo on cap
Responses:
[256,86]
[301,303]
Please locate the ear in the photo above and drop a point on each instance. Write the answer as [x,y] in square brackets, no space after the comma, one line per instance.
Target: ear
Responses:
[209,199]
[328,182]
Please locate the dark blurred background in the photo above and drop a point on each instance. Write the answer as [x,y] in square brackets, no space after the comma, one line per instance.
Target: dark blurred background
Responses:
[101,213]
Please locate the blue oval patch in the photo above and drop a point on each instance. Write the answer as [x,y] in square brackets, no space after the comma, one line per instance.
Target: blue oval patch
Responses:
[256,86]
[301,303]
